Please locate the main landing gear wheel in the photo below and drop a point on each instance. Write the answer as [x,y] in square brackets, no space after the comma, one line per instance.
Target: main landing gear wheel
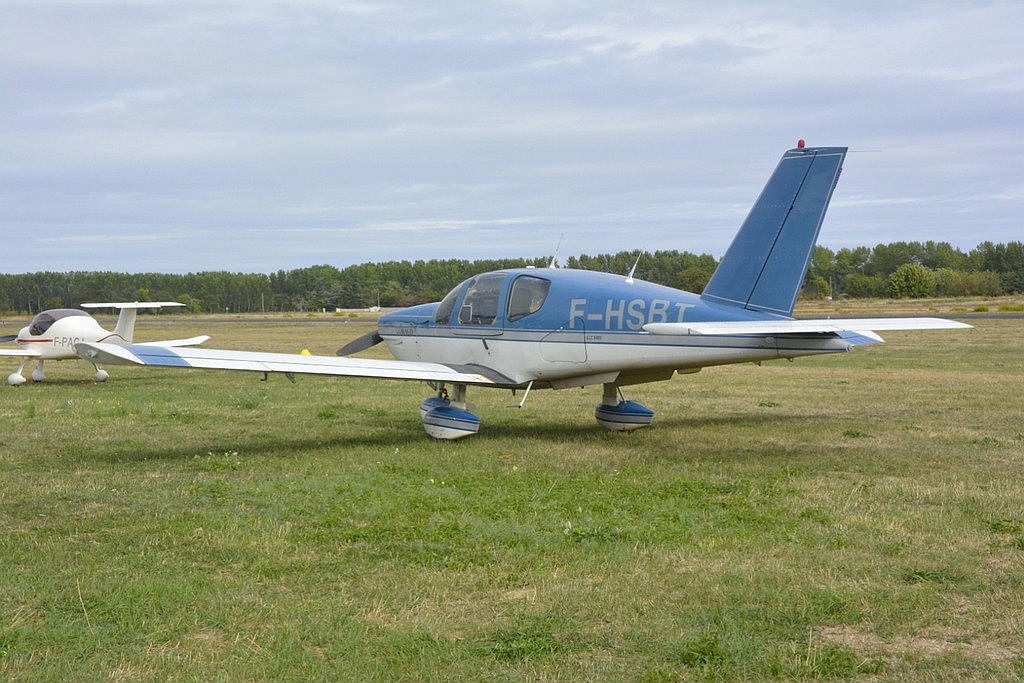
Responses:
[37,374]
[617,414]
[448,418]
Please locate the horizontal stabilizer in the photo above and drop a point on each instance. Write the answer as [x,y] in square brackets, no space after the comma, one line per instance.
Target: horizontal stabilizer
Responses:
[257,361]
[860,325]
[125,328]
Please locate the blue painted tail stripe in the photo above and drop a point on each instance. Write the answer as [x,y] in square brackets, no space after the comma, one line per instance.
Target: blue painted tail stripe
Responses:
[765,265]
[158,355]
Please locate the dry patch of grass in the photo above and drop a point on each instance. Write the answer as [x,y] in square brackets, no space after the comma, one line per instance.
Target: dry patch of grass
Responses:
[935,644]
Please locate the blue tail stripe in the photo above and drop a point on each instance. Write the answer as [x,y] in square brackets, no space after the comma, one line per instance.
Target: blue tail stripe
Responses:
[157,355]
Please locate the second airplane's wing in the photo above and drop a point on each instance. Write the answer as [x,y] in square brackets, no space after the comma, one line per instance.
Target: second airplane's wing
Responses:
[861,325]
[258,361]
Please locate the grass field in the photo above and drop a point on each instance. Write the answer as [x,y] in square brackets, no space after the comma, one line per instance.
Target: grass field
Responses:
[851,517]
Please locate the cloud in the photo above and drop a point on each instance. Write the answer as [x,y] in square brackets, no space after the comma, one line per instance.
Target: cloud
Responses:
[109,238]
[632,126]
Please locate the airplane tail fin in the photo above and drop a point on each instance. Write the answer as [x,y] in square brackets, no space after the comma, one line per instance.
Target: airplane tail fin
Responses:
[125,328]
[765,265]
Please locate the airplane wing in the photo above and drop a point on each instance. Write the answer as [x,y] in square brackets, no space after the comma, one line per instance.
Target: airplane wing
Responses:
[30,352]
[22,353]
[865,326]
[258,361]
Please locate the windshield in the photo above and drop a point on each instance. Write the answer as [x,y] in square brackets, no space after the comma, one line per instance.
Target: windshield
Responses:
[41,323]
[444,310]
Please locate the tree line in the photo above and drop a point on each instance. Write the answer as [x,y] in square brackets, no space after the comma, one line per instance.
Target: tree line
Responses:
[898,269]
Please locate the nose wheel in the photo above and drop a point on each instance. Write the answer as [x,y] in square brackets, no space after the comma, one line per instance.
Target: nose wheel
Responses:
[16,378]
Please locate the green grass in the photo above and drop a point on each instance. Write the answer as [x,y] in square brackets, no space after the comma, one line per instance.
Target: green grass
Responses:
[851,517]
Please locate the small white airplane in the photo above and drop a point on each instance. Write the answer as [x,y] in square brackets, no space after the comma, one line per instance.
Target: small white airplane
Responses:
[52,335]
[529,328]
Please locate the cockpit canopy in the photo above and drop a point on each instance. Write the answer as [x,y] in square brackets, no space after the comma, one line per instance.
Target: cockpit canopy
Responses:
[41,323]
[480,299]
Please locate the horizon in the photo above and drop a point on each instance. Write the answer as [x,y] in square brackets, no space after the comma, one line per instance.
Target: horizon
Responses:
[542,257]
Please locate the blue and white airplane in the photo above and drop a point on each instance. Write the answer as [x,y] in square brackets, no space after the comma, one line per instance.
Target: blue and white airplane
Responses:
[533,328]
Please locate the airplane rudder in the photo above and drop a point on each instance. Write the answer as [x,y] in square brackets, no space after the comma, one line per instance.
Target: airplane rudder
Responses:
[126,323]
[786,266]
[737,274]
[772,248]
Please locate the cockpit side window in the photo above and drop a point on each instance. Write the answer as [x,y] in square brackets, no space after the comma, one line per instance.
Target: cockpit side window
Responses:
[480,305]
[447,305]
[527,296]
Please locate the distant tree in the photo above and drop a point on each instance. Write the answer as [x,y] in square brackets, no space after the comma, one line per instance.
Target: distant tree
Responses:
[886,258]
[815,287]
[911,281]
[823,264]
[694,278]
[989,269]
[949,282]
[193,304]
[860,286]
[1005,259]
[937,255]
[672,268]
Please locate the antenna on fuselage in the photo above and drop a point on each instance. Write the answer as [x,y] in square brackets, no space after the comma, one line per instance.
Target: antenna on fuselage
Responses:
[554,259]
[629,278]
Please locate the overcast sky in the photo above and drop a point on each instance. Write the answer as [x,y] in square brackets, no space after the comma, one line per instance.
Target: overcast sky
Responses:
[252,136]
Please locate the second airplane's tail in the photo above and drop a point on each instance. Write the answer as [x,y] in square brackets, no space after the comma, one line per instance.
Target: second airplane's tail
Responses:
[765,265]
[126,319]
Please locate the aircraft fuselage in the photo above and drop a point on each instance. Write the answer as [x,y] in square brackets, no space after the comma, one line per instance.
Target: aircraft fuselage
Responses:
[52,334]
[578,328]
